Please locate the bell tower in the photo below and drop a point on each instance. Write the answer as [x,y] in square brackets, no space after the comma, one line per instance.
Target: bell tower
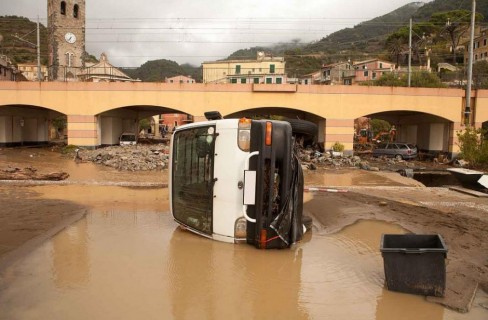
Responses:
[66,39]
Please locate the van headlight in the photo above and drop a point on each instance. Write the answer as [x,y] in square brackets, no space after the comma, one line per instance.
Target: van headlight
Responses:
[240,229]
[244,134]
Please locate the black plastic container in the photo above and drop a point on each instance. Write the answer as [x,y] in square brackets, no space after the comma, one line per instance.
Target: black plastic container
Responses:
[414,263]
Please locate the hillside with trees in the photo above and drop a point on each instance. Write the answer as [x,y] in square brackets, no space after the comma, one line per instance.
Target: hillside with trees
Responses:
[367,35]
[158,70]
[386,37]
[437,6]
[19,51]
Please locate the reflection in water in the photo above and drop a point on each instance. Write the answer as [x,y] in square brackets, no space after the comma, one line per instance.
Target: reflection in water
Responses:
[213,280]
[354,177]
[70,257]
[406,307]
[343,272]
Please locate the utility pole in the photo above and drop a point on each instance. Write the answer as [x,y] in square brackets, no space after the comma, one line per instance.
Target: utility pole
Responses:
[467,111]
[410,54]
[39,71]
[37,46]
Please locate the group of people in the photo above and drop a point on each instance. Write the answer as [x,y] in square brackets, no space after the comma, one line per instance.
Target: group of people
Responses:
[164,129]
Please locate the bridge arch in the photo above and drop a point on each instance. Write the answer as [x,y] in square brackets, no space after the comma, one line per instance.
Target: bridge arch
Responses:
[430,132]
[30,125]
[108,125]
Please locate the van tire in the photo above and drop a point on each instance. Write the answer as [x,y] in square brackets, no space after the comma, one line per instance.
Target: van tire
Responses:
[303,127]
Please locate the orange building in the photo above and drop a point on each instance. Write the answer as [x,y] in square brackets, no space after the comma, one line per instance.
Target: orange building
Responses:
[172,120]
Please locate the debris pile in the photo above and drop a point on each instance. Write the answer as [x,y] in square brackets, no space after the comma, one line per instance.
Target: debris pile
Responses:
[312,159]
[129,158]
[143,157]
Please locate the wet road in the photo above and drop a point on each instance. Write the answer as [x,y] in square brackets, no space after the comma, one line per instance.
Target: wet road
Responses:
[127,259]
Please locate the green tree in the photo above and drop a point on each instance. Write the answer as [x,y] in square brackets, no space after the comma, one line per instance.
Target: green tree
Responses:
[473,146]
[396,45]
[421,79]
[397,42]
[59,123]
[424,79]
[144,124]
[390,79]
[452,26]
[378,125]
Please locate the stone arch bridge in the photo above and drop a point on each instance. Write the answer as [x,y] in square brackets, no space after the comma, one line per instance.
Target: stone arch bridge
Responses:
[97,113]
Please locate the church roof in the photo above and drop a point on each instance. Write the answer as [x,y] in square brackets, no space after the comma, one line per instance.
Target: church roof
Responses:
[104,70]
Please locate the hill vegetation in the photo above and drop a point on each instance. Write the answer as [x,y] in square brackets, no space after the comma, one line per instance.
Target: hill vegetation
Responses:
[19,51]
[374,38]
[158,70]
[365,36]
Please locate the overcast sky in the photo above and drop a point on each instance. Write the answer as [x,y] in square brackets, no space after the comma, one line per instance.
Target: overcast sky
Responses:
[133,32]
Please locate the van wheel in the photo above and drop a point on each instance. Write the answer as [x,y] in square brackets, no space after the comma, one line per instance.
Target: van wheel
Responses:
[304,127]
[398,157]
[304,131]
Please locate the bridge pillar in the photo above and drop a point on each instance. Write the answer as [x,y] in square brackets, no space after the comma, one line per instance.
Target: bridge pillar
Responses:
[83,130]
[339,130]
[455,128]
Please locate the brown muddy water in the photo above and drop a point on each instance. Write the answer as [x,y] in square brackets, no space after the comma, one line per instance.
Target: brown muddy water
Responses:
[127,259]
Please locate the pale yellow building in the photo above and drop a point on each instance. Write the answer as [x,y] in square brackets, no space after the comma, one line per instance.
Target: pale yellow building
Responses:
[264,69]
[29,71]
[180,79]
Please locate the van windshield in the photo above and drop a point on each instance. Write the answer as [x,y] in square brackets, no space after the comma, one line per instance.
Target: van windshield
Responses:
[128,137]
[192,177]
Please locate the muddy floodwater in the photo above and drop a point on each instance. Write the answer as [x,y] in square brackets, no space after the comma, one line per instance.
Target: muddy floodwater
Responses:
[127,259]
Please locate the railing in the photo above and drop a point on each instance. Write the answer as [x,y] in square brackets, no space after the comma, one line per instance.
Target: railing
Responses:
[93,74]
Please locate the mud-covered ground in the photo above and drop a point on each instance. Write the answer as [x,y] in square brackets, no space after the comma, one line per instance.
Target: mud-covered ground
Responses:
[462,220]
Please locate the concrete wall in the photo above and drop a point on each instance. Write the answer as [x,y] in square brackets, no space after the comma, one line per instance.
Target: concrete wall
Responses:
[20,125]
[5,129]
[408,133]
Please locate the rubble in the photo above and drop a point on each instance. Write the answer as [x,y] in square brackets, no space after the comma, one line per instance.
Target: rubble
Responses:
[144,157]
[129,158]
[312,159]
